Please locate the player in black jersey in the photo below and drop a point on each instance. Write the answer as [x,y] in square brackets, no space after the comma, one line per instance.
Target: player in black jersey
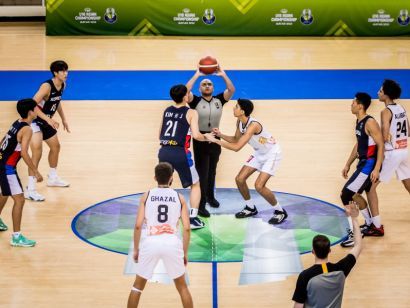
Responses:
[13,146]
[175,139]
[48,98]
[369,149]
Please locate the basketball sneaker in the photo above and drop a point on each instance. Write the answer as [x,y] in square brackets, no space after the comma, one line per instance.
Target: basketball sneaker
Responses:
[278,217]
[203,212]
[21,241]
[374,231]
[196,223]
[213,203]
[33,195]
[57,182]
[349,242]
[246,212]
[3,226]
[364,228]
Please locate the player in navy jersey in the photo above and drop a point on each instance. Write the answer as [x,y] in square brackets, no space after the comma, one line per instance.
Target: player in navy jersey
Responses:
[178,123]
[13,146]
[369,149]
[48,98]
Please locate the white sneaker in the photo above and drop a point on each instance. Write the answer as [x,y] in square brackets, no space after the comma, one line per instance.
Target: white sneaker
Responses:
[33,195]
[57,182]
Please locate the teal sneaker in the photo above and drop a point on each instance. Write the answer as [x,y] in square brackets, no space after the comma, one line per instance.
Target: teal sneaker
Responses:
[3,226]
[21,241]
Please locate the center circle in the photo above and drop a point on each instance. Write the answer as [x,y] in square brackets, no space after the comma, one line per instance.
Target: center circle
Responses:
[109,225]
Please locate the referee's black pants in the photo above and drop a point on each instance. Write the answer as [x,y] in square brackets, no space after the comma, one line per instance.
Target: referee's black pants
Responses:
[206,156]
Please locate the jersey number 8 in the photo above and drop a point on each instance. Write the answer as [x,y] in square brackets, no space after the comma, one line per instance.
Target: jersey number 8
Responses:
[162,213]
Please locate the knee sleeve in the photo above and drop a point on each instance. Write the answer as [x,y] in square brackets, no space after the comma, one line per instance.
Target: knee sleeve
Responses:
[346,196]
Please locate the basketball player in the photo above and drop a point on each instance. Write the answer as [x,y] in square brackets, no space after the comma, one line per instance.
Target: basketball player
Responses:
[161,209]
[178,122]
[265,159]
[395,130]
[369,150]
[13,146]
[48,98]
[207,154]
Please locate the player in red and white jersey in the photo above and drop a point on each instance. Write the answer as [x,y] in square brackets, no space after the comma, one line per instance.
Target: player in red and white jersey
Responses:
[156,236]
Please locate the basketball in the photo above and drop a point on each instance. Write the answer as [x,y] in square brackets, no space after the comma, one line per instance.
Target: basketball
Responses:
[208,65]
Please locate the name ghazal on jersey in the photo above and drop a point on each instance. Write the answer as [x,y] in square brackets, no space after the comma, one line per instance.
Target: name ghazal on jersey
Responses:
[283,18]
[186,18]
[87,17]
[163,199]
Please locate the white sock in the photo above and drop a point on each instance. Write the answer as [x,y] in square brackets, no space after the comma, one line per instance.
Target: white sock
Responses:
[349,219]
[16,234]
[377,221]
[250,203]
[194,213]
[366,215]
[31,183]
[277,207]
[53,173]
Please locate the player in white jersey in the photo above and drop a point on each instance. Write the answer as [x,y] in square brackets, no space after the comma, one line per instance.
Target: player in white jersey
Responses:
[265,159]
[156,236]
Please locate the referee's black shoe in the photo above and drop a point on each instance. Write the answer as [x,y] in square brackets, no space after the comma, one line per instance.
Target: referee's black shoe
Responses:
[203,212]
[213,202]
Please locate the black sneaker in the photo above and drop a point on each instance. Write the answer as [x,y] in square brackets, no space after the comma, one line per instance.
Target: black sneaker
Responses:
[196,223]
[349,242]
[246,212]
[203,212]
[213,202]
[278,217]
[364,228]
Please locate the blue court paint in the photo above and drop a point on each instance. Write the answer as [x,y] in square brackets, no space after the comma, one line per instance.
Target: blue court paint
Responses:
[215,284]
[253,84]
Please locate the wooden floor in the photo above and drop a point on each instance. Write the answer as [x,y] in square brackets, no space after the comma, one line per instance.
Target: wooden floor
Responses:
[62,271]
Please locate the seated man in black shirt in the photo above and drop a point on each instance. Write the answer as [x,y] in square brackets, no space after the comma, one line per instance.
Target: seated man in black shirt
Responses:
[321,285]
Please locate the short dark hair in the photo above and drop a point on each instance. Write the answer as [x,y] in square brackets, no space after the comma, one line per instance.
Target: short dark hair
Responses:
[246,105]
[25,105]
[363,99]
[391,88]
[178,92]
[58,66]
[163,172]
[321,246]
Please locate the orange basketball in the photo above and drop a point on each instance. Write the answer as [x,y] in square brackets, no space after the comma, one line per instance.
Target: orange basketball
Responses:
[208,65]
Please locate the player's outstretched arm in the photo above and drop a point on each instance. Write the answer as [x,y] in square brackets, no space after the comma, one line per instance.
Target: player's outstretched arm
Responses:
[192,117]
[186,233]
[253,129]
[138,225]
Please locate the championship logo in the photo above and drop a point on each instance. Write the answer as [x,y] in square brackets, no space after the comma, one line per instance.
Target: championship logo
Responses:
[209,17]
[110,16]
[306,18]
[403,18]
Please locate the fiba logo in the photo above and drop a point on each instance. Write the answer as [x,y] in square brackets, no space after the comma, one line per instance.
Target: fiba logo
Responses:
[306,18]
[403,18]
[209,17]
[110,16]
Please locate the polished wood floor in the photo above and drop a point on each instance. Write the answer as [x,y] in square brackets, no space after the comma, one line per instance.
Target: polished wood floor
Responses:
[62,271]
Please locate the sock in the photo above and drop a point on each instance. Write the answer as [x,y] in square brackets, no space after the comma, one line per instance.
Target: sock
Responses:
[194,213]
[277,207]
[16,234]
[366,216]
[250,203]
[349,219]
[31,183]
[377,221]
[53,173]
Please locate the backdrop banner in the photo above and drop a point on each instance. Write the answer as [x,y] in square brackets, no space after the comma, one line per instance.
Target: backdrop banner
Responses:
[229,17]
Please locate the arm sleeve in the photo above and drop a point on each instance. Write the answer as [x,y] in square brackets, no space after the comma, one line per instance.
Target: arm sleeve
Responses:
[195,102]
[346,264]
[300,293]
[220,96]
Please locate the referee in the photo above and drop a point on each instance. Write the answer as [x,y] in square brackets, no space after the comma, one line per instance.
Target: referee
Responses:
[207,154]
